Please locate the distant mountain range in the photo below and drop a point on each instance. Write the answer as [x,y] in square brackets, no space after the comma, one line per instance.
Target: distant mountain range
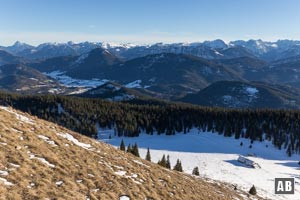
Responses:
[216,49]
[164,71]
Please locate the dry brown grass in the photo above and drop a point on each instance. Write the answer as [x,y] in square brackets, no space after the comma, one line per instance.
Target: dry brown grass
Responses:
[96,168]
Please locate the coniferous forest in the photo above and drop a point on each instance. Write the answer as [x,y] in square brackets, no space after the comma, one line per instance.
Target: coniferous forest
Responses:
[282,127]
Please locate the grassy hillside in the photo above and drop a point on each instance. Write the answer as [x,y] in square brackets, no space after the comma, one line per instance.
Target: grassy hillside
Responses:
[42,160]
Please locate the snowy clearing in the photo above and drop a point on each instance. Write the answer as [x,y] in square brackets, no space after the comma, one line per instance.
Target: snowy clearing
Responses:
[216,156]
[71,82]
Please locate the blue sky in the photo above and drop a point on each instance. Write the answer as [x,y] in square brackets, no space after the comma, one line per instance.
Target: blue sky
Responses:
[147,21]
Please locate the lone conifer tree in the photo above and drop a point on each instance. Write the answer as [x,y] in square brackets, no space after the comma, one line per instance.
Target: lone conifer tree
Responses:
[168,164]
[129,150]
[148,156]
[252,190]
[135,150]
[122,145]
[196,171]
[178,166]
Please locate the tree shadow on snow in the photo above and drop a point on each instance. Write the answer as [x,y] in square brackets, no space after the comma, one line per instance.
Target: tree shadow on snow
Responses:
[293,164]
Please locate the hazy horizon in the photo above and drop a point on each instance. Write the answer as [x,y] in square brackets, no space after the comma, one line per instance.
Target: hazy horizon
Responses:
[143,22]
[133,43]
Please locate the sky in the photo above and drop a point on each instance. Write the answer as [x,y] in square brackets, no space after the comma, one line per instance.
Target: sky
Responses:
[147,21]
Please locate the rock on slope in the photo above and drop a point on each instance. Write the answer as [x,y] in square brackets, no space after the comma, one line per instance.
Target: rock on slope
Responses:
[41,160]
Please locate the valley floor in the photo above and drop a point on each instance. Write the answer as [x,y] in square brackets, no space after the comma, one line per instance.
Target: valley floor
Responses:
[216,156]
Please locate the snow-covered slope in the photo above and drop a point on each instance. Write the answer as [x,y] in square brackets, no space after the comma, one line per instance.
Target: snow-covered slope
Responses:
[216,156]
[73,82]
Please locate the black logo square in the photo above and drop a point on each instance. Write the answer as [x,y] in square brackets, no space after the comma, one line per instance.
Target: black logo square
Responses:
[284,185]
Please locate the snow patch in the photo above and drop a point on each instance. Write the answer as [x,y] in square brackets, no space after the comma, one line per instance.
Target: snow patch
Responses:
[251,91]
[5,182]
[46,139]
[124,197]
[111,86]
[17,131]
[14,165]
[80,90]
[134,84]
[74,140]
[3,173]
[43,137]
[121,173]
[18,116]
[43,160]
[59,183]
[140,163]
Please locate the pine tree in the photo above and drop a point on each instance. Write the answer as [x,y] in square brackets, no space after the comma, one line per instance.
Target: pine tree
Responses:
[135,150]
[122,145]
[252,190]
[196,171]
[163,161]
[168,163]
[148,156]
[178,166]
[129,149]
[289,151]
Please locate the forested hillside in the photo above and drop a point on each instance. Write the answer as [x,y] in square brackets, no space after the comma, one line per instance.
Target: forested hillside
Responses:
[82,115]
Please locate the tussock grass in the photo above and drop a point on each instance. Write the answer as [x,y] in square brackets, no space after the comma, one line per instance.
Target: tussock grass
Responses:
[87,173]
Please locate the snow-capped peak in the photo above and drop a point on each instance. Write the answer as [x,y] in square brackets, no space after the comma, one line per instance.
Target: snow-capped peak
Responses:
[216,44]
